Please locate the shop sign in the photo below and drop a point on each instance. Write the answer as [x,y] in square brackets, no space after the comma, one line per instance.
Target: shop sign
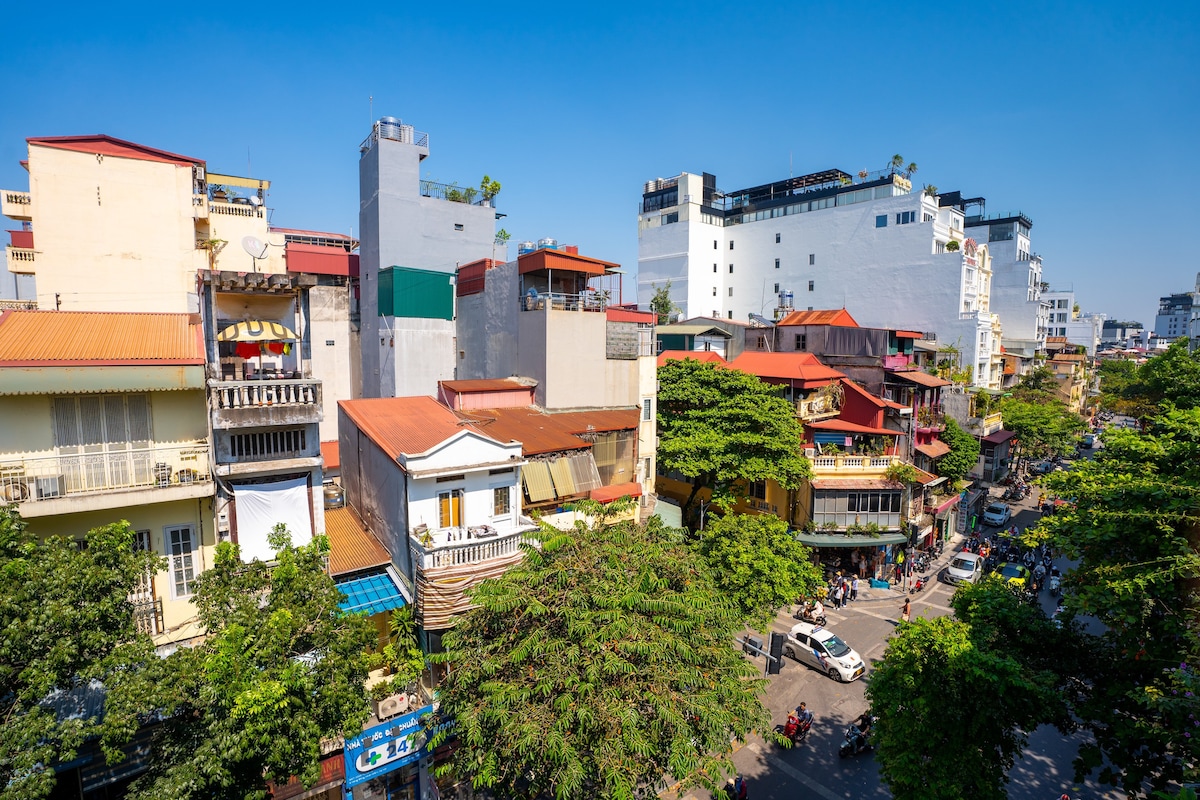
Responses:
[386,747]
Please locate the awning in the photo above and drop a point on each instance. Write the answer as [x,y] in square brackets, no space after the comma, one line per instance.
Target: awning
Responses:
[999,437]
[536,477]
[370,595]
[934,449]
[850,427]
[606,494]
[946,505]
[560,472]
[257,331]
[850,540]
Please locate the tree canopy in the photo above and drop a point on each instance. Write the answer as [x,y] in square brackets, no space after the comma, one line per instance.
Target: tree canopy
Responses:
[662,305]
[65,621]
[281,669]
[1172,376]
[1043,429]
[758,563]
[963,455]
[599,664]
[722,428]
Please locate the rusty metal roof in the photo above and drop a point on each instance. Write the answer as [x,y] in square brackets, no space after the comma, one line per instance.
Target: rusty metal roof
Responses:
[331,455]
[918,377]
[837,317]
[69,338]
[351,545]
[542,432]
[405,425]
[487,385]
[855,483]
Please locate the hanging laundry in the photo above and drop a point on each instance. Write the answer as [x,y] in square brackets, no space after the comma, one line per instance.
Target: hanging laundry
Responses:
[275,347]
[248,350]
[287,348]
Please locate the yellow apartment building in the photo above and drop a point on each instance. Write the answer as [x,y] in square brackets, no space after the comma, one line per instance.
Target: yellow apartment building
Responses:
[105,421]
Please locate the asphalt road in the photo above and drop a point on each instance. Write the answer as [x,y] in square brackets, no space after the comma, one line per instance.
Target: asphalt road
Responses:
[814,769]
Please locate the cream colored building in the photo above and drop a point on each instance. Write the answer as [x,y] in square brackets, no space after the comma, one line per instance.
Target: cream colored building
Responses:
[111,411]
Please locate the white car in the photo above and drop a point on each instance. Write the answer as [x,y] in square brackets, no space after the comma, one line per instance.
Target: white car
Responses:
[821,649]
[965,568]
[997,514]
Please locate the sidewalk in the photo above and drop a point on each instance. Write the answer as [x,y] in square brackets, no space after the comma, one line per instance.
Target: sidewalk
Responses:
[896,591]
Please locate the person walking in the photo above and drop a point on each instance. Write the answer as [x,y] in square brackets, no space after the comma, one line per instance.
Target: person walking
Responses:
[854,587]
[906,612]
[839,594]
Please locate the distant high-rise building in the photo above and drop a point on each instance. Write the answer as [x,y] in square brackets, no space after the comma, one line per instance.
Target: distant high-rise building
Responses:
[1179,316]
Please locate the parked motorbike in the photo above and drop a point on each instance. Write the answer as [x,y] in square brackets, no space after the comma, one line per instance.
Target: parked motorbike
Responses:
[918,586]
[855,743]
[1055,583]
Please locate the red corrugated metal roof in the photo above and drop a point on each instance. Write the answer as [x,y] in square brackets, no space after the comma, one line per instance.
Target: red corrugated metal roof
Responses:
[485,385]
[854,387]
[922,378]
[542,432]
[68,338]
[404,425]
[855,483]
[351,545]
[104,144]
[935,449]
[999,437]
[606,494]
[626,315]
[850,427]
[804,368]
[908,334]
[540,260]
[331,455]
[315,234]
[684,355]
[838,316]
[893,403]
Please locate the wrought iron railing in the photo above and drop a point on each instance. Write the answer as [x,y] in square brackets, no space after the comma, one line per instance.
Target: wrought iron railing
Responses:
[148,616]
[34,479]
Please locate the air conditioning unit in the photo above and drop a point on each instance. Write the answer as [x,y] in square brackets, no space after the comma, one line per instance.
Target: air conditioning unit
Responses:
[392,705]
[51,486]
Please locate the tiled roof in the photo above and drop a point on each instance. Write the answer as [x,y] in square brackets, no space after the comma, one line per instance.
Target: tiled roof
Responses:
[630,315]
[351,546]
[331,455]
[607,494]
[922,378]
[542,432]
[876,401]
[837,316]
[924,478]
[69,338]
[103,144]
[999,437]
[803,367]
[684,355]
[404,425]
[934,449]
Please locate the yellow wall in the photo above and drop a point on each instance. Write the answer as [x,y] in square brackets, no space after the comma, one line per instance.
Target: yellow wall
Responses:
[178,614]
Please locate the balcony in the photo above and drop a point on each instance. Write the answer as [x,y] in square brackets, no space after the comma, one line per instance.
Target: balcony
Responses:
[849,464]
[200,206]
[259,403]
[929,420]
[463,545]
[558,301]
[20,259]
[820,406]
[148,616]
[245,209]
[27,305]
[454,193]
[17,205]
[60,484]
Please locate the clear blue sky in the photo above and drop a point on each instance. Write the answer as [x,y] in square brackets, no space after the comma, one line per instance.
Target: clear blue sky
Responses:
[1083,115]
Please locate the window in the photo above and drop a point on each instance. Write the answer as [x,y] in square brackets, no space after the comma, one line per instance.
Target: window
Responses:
[450,508]
[1062,303]
[758,490]
[906,217]
[777,263]
[939,247]
[714,291]
[731,269]
[801,341]
[714,267]
[761,343]
[329,342]
[647,409]
[501,501]
[731,244]
[458,226]
[927,217]
[730,315]
[715,244]
[181,548]
[881,220]
[777,288]
[731,291]
[777,238]
[812,259]
[812,285]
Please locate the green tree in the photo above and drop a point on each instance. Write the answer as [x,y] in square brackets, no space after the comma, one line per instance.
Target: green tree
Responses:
[1172,376]
[723,429]
[963,455]
[758,563]
[1133,530]
[1120,390]
[1043,429]
[65,621]
[662,305]
[1038,385]
[596,666]
[281,669]
[951,713]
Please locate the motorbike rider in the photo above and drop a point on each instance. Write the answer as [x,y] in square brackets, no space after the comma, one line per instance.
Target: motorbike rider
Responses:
[814,611]
[863,723]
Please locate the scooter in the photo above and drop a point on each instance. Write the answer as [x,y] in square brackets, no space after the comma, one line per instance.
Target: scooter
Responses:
[918,586]
[804,616]
[855,743]
[794,729]
[1055,583]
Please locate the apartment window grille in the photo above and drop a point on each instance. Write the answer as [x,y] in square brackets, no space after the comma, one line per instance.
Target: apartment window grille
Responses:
[881,220]
[812,259]
[777,238]
[181,545]
[647,409]
[273,444]
[812,285]
[451,478]
[731,244]
[501,501]
[777,263]
[111,434]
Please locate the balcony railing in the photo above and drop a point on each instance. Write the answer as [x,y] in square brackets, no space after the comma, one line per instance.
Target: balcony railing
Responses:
[27,305]
[557,301]
[148,616]
[35,479]
[17,205]
[236,209]
[455,194]
[448,547]
[20,259]
[253,394]
[853,463]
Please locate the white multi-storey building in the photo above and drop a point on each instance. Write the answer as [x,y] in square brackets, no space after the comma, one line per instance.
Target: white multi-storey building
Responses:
[893,257]
[1063,319]
[1179,316]
[1017,283]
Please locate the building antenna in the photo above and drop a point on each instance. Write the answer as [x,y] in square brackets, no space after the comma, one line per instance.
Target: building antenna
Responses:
[789,163]
[371,107]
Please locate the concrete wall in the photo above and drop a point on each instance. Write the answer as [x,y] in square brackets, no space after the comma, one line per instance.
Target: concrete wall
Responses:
[336,359]
[377,488]
[478,500]
[415,355]
[647,428]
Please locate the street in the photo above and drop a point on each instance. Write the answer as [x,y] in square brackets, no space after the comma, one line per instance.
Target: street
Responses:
[776,773]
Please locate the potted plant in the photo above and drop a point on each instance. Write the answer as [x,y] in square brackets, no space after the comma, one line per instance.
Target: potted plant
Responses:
[489,188]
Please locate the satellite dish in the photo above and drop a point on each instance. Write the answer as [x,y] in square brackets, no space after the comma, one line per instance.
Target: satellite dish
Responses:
[255,246]
[255,201]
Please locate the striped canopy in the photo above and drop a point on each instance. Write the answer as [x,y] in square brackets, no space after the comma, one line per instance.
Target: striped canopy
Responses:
[257,331]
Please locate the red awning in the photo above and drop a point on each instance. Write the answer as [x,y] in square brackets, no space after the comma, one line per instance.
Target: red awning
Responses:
[606,494]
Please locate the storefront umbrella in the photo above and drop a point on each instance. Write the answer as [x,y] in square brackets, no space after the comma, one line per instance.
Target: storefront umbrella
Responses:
[257,331]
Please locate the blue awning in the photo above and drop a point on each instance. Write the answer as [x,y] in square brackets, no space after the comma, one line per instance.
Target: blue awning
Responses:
[373,594]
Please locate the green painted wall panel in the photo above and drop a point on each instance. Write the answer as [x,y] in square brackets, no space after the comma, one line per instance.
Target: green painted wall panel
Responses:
[418,293]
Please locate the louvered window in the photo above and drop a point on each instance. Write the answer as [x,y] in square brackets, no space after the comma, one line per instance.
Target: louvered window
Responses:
[111,436]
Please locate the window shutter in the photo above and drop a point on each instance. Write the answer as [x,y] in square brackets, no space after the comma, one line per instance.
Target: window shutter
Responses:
[66,426]
[140,430]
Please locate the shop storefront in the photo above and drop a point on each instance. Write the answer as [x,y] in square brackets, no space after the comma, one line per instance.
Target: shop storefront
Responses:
[857,553]
[390,761]
[945,517]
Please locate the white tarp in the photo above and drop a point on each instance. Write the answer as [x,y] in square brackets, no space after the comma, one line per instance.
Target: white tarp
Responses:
[262,506]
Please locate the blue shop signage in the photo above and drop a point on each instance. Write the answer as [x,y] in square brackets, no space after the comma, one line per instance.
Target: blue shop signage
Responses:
[386,747]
